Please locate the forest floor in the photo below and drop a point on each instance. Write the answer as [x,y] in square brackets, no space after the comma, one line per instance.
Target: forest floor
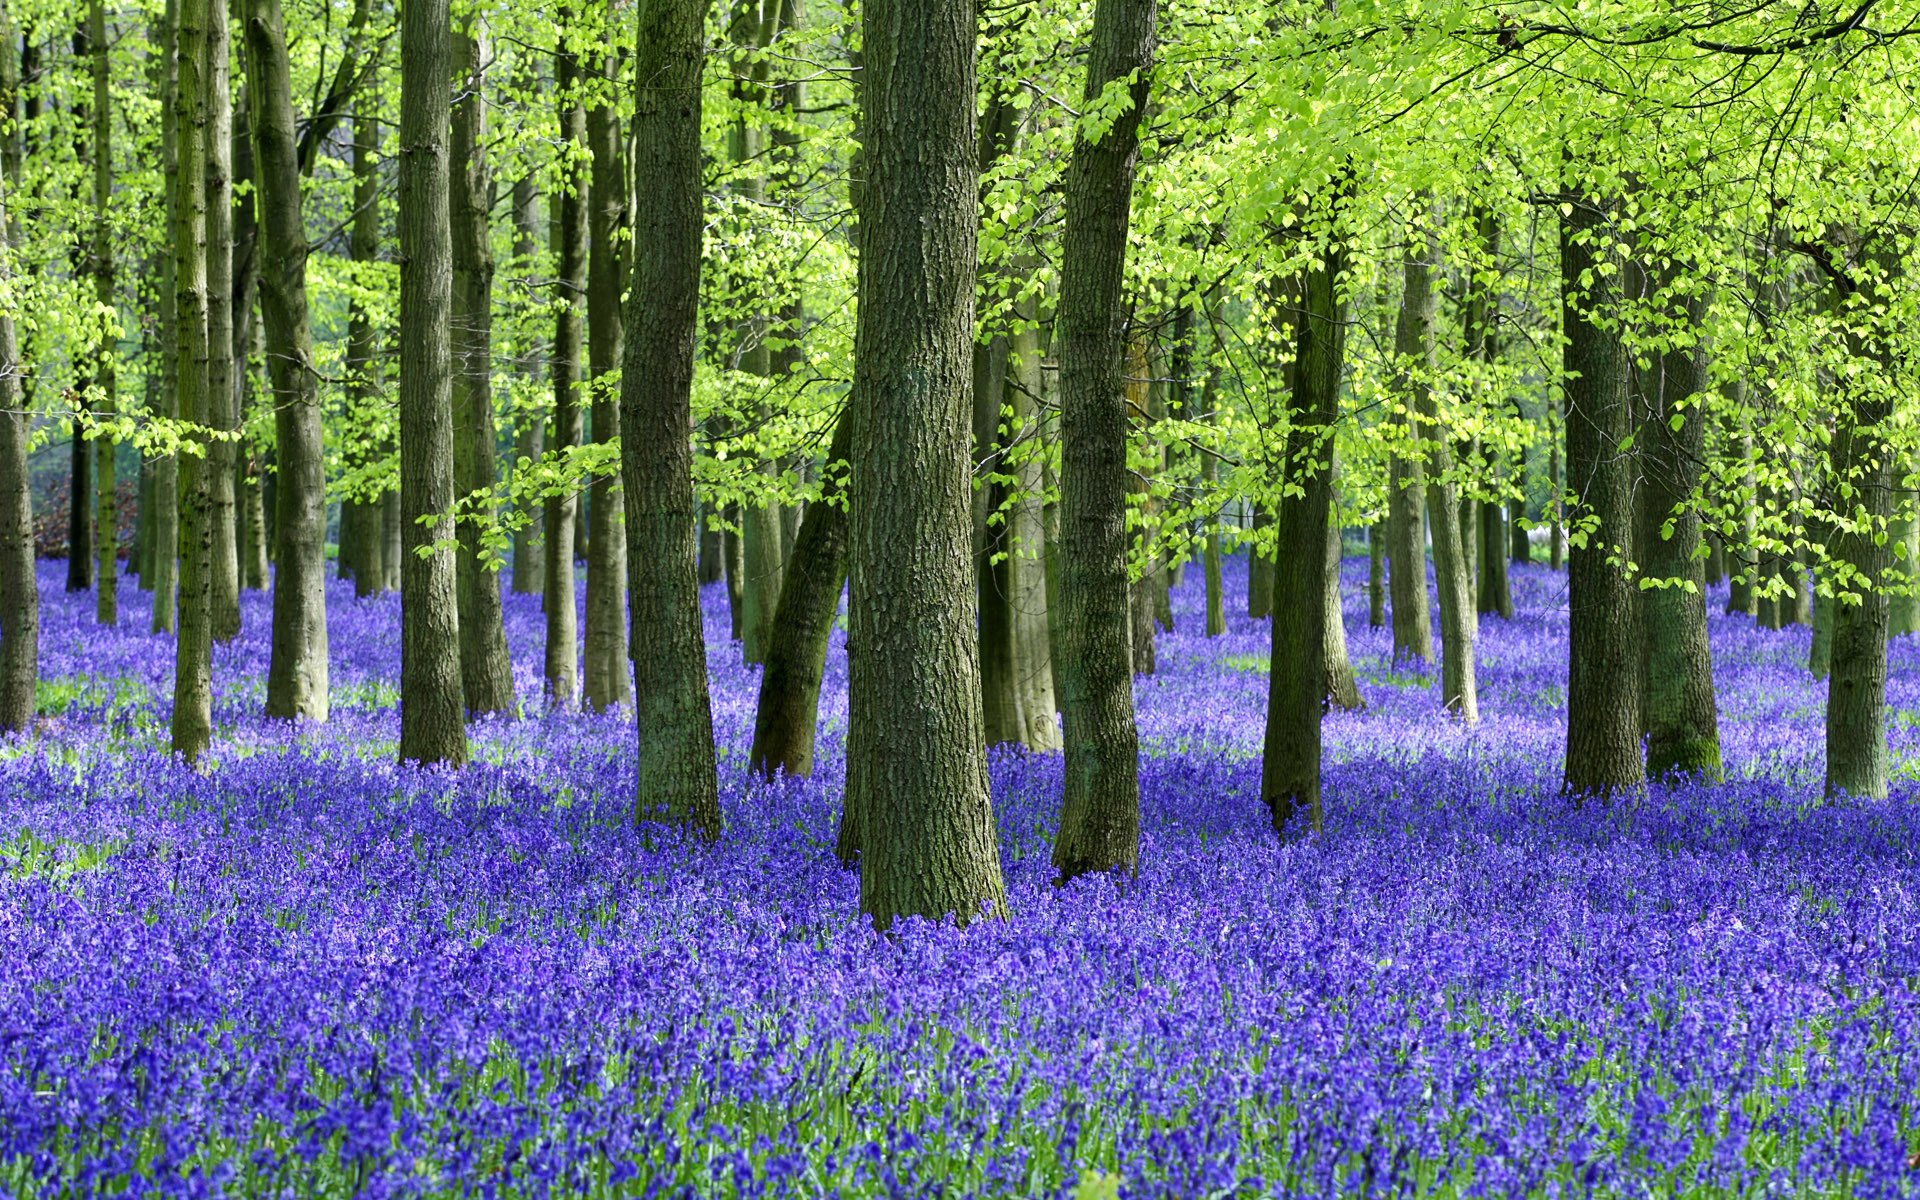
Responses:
[305,971]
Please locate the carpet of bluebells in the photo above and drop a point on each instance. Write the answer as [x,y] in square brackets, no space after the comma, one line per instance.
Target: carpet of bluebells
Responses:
[305,971]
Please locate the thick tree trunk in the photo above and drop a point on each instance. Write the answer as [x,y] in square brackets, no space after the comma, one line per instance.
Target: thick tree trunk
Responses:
[1857,760]
[563,511]
[1496,594]
[789,704]
[223,579]
[19,589]
[605,675]
[916,758]
[486,674]
[677,779]
[1297,683]
[1100,814]
[432,708]
[106,508]
[192,723]
[297,671]
[1603,694]
[1683,734]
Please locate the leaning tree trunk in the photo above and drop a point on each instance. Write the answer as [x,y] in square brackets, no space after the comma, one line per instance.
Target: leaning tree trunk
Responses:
[432,717]
[563,511]
[1297,682]
[224,571]
[192,724]
[916,759]
[1683,733]
[106,509]
[789,704]
[1857,761]
[19,590]
[604,675]
[1459,624]
[1603,692]
[486,674]
[297,671]
[677,778]
[1100,814]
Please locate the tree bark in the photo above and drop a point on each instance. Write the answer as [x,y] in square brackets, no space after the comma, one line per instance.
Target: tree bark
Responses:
[19,589]
[106,508]
[297,671]
[162,508]
[1603,694]
[605,680]
[1683,734]
[192,722]
[1343,690]
[1406,485]
[789,704]
[1489,547]
[223,580]
[1100,812]
[432,716]
[1297,682]
[563,511]
[529,542]
[1260,568]
[916,758]
[486,674]
[363,349]
[677,779]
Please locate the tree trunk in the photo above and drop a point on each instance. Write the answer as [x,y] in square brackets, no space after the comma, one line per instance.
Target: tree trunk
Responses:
[563,511]
[1297,683]
[363,348]
[1210,552]
[19,589]
[1903,605]
[163,510]
[80,500]
[1521,548]
[789,704]
[677,779]
[1343,690]
[486,675]
[106,509]
[223,581]
[1683,735]
[1026,565]
[734,568]
[605,680]
[1496,594]
[1857,761]
[1489,549]
[1100,814]
[916,758]
[1377,575]
[1557,536]
[1140,607]
[254,557]
[297,671]
[529,544]
[1744,564]
[1603,694]
[192,723]
[1260,567]
[1406,508]
[432,717]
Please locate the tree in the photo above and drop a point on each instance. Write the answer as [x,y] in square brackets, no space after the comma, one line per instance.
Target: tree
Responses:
[432,718]
[569,230]
[605,679]
[192,726]
[1100,808]
[486,674]
[106,516]
[220,415]
[678,780]
[1603,644]
[916,760]
[19,589]
[370,567]
[297,671]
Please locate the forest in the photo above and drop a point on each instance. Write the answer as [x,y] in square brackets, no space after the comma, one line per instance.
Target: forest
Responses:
[1086,598]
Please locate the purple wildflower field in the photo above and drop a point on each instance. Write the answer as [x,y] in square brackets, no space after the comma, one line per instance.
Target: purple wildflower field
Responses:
[305,971]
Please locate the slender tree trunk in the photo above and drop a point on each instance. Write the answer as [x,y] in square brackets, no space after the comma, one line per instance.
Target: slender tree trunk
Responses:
[1026,564]
[1857,759]
[1260,568]
[1343,690]
[1521,548]
[1490,536]
[916,758]
[1377,575]
[563,511]
[677,776]
[1406,495]
[80,499]
[1134,377]
[1557,535]
[1683,735]
[224,568]
[734,569]
[605,680]
[106,509]
[297,672]
[1744,564]
[19,589]
[363,343]
[1496,593]
[486,674]
[1100,814]
[255,557]
[1459,624]
[1210,552]
[432,716]
[529,544]
[789,705]
[1603,694]
[192,725]
[163,505]
[1297,683]
[1903,606]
